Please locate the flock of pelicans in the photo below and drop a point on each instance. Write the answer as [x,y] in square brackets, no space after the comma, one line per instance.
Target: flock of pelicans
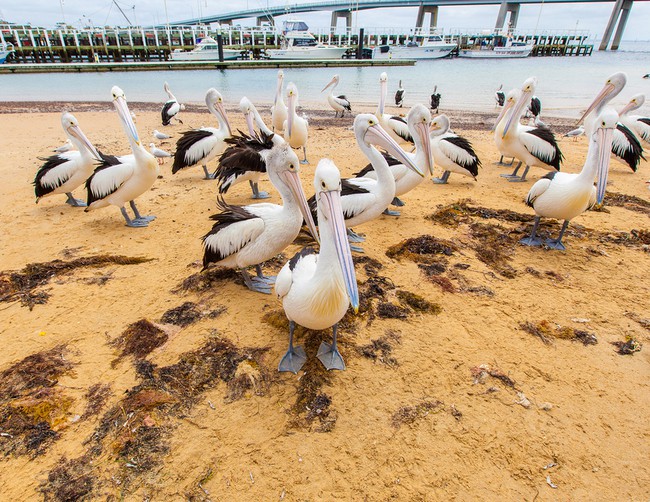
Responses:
[317,288]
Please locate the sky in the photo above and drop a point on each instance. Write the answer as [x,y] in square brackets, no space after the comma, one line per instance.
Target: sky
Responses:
[562,17]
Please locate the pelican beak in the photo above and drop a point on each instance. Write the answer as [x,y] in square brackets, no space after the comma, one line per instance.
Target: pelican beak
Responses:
[628,107]
[423,130]
[250,123]
[278,90]
[222,111]
[382,98]
[332,82]
[77,133]
[291,99]
[602,95]
[376,135]
[604,154]
[332,211]
[292,180]
[125,116]
[504,110]
[523,101]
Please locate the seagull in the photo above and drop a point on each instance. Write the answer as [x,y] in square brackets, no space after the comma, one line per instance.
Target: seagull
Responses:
[338,103]
[158,153]
[171,108]
[160,135]
[316,289]
[65,147]
[575,133]
[399,95]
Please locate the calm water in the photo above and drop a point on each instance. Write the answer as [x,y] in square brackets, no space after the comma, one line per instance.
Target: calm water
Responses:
[566,84]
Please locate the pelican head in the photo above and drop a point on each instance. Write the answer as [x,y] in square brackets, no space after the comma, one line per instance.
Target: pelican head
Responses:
[419,121]
[278,89]
[334,82]
[636,102]
[327,184]
[509,102]
[368,132]
[439,125]
[527,91]
[71,127]
[283,167]
[383,91]
[119,101]
[610,90]
[247,108]
[214,102]
[292,102]
[603,134]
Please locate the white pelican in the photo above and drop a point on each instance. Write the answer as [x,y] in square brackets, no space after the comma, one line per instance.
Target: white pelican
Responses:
[200,146]
[637,124]
[435,99]
[534,146]
[500,96]
[399,95]
[279,109]
[564,196]
[64,172]
[160,135]
[364,199]
[158,153]
[295,127]
[452,153]
[579,131]
[122,179]
[418,120]
[243,236]
[171,108]
[316,289]
[338,103]
[65,147]
[395,126]
[245,157]
[625,147]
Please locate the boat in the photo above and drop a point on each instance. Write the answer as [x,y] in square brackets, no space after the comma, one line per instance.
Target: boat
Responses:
[206,50]
[298,43]
[5,50]
[495,46]
[424,47]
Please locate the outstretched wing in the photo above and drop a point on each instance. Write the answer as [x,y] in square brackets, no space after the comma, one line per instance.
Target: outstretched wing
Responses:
[170,108]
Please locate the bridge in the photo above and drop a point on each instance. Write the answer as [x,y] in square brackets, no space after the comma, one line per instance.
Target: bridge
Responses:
[343,9]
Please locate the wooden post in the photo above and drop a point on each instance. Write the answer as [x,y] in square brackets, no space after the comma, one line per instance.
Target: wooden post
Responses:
[220,46]
[360,46]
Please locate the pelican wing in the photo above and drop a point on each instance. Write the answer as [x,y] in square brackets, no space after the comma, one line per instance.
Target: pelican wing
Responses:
[170,108]
[193,146]
[541,144]
[110,175]
[460,151]
[626,147]
[539,188]
[234,228]
[642,127]
[245,154]
[399,96]
[56,170]
[399,126]
[284,280]
[355,198]
[343,101]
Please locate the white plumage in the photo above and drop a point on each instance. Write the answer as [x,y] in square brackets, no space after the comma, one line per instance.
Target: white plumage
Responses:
[65,147]
[295,127]
[279,109]
[451,152]
[160,135]
[338,103]
[394,125]
[636,123]
[171,108]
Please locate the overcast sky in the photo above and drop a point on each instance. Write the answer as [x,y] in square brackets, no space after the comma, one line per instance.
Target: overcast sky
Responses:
[592,17]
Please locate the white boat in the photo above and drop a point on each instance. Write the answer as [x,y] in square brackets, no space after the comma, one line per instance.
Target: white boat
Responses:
[496,46]
[206,50]
[298,43]
[5,50]
[429,47]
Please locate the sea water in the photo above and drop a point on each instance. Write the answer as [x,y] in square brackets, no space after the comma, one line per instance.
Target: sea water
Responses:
[566,85]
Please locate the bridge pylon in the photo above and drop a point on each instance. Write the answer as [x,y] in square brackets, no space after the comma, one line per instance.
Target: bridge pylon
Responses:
[427,9]
[621,9]
[336,14]
[507,8]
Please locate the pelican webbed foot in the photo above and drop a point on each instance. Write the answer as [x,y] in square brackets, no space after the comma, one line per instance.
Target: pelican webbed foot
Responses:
[557,243]
[304,151]
[356,249]
[513,174]
[74,202]
[295,357]
[135,223]
[397,202]
[256,191]
[531,241]
[256,284]
[354,237]
[329,355]
[138,216]
[443,179]
[519,179]
[390,212]
[207,175]
[268,279]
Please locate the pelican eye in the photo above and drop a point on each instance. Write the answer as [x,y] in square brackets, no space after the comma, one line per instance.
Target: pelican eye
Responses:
[322,183]
[603,124]
[291,166]
[371,122]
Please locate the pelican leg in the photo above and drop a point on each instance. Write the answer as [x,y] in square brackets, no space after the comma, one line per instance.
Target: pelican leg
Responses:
[519,179]
[208,176]
[304,151]
[443,179]
[397,202]
[138,216]
[74,202]
[295,356]
[355,237]
[329,355]
[356,249]
[256,191]
[532,240]
[133,223]
[514,173]
[557,243]
[268,279]
[255,284]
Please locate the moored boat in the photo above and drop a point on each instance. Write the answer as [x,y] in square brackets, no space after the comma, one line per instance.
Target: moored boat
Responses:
[427,47]
[5,50]
[495,46]
[206,50]
[299,43]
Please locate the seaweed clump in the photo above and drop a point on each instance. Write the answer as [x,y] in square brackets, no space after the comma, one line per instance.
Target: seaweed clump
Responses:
[206,280]
[546,333]
[189,313]
[70,480]
[96,398]
[494,247]
[418,303]
[407,415]
[381,349]
[452,215]
[422,249]
[139,339]
[630,202]
[628,347]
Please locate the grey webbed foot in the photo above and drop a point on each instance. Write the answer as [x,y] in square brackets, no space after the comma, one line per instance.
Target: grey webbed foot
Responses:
[531,241]
[74,202]
[293,360]
[147,218]
[330,357]
[304,161]
[355,237]
[207,175]
[356,249]
[137,223]
[397,202]
[555,244]
[261,195]
[390,212]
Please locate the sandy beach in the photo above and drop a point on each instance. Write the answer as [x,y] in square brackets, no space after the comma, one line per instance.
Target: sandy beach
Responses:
[477,368]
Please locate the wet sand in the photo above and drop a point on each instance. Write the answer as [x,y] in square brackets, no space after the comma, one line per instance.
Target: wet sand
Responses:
[479,387]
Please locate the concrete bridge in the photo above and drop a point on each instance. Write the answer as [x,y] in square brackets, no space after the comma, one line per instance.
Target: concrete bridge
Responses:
[343,9]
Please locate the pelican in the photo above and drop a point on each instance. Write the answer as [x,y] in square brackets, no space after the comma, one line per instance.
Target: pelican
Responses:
[504,148]
[65,147]
[171,108]
[338,103]
[625,147]
[245,157]
[364,199]
[418,121]
[399,95]
[579,131]
[564,196]
[158,153]
[452,153]
[534,146]
[316,289]
[395,126]
[435,99]
[160,135]
[200,146]
[63,172]
[637,124]
[295,127]
[279,109]
[119,180]
[535,109]
[243,236]
[500,96]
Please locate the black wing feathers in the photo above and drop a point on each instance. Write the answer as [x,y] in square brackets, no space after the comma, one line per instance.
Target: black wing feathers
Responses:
[184,143]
